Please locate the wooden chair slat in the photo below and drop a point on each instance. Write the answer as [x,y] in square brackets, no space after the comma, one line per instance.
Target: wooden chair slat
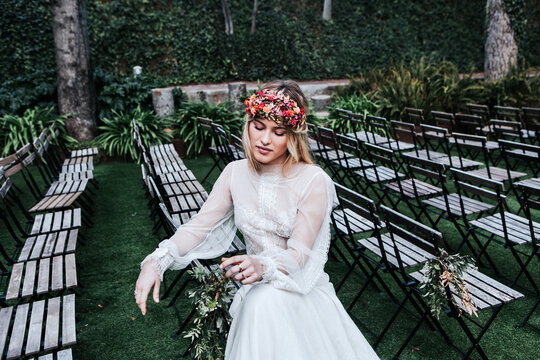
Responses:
[64,355]
[5,319]
[72,241]
[38,247]
[52,325]
[57,278]
[71,271]
[61,242]
[27,248]
[33,341]
[29,279]
[49,244]
[43,276]
[15,281]
[18,332]
[68,321]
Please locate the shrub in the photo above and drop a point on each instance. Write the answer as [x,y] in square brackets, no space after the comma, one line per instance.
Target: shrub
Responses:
[17,131]
[116,136]
[195,138]
[357,103]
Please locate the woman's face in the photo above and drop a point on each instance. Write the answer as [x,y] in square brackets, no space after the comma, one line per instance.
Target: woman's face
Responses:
[268,141]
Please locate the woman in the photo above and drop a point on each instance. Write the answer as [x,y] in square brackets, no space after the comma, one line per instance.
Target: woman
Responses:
[281,202]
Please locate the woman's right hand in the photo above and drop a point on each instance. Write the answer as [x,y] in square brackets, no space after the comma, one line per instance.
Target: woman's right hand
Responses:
[148,278]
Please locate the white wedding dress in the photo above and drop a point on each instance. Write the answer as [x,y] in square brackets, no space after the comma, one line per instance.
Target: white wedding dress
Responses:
[293,313]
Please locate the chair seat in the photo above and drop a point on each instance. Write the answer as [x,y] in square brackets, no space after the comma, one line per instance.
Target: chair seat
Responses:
[185,188]
[186,203]
[42,325]
[369,137]
[471,206]
[455,162]
[532,182]
[410,254]
[524,153]
[84,152]
[485,292]
[176,177]
[397,145]
[357,223]
[497,174]
[407,188]
[424,154]
[383,173]
[56,221]
[352,163]
[42,276]
[517,227]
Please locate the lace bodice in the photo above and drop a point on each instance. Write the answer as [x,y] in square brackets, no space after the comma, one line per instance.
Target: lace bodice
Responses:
[284,220]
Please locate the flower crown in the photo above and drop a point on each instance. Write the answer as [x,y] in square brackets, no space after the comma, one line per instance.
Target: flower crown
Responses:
[277,107]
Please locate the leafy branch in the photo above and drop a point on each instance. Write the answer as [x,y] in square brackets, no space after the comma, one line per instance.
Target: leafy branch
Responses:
[211,321]
[446,273]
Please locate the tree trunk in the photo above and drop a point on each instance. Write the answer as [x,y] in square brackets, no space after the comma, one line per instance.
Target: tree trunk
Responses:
[229,30]
[254,15]
[76,93]
[327,10]
[500,51]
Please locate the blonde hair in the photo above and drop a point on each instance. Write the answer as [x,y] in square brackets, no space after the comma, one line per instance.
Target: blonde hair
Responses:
[297,140]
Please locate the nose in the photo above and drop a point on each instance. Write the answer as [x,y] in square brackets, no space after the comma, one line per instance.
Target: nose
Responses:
[265,138]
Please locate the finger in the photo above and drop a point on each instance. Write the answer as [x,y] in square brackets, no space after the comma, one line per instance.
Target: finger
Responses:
[235,269]
[156,290]
[142,295]
[232,260]
[244,274]
[250,279]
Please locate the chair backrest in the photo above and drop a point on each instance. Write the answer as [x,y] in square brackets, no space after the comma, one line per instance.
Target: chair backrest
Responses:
[359,204]
[358,124]
[345,116]
[404,131]
[222,143]
[530,197]
[531,116]
[382,156]
[480,187]
[378,126]
[414,115]
[479,110]
[429,170]
[507,113]
[349,145]
[506,129]
[444,119]
[468,123]
[530,154]
[399,225]
[465,143]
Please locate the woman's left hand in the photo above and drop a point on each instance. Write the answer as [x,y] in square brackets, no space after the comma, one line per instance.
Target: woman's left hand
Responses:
[247,269]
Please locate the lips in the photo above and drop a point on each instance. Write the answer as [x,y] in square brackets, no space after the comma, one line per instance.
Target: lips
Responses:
[263,150]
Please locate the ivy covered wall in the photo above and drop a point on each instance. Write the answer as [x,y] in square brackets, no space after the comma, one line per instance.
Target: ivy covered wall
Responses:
[184,41]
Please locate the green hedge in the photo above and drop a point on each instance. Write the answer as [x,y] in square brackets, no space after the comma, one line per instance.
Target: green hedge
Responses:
[184,41]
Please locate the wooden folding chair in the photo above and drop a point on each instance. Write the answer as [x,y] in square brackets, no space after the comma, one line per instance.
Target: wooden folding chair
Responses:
[411,241]
[530,198]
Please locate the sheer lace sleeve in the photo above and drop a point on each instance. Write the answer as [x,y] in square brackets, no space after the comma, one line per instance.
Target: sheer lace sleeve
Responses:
[207,235]
[300,265]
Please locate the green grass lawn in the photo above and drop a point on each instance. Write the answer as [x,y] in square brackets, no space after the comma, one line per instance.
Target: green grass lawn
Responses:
[110,326]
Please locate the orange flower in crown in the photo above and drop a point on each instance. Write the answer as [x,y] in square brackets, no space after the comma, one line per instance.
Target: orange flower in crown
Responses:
[277,107]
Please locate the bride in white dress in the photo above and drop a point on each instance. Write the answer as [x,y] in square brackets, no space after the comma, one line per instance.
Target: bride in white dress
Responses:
[286,309]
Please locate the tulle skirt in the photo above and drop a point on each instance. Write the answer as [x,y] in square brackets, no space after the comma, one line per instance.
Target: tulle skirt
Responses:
[274,324]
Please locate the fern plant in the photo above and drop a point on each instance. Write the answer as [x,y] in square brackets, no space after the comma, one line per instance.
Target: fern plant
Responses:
[116,136]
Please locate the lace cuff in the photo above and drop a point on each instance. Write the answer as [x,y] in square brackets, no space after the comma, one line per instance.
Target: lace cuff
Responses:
[270,269]
[162,260]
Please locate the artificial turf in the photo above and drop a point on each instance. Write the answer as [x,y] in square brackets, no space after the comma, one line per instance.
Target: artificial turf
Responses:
[110,326]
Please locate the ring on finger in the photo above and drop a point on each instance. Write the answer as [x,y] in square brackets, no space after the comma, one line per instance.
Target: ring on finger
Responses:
[240,267]
[243,276]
